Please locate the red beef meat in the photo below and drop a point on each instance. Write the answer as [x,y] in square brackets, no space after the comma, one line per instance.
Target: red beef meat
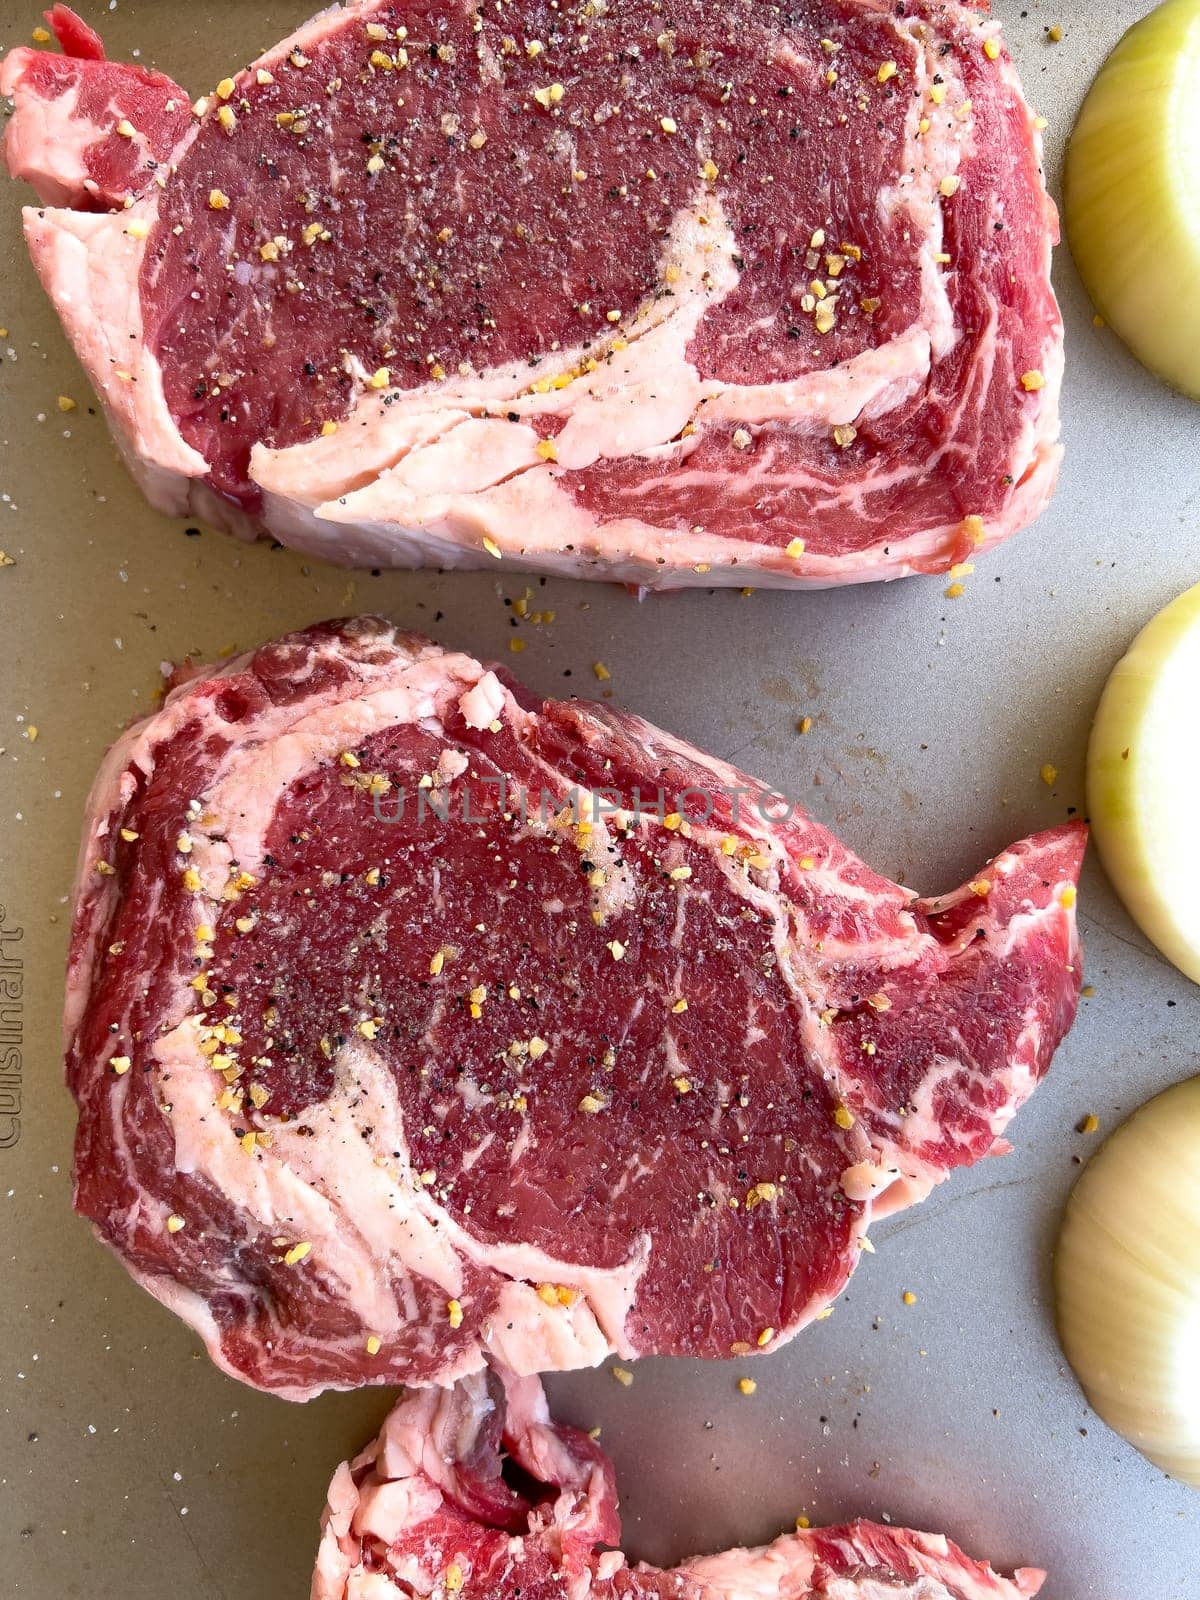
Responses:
[414,1020]
[653,290]
[425,1509]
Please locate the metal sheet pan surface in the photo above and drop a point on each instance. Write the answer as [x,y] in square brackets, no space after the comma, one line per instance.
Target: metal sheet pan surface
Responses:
[129,1467]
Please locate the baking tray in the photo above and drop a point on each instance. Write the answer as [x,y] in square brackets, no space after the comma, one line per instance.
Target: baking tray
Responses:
[129,1466]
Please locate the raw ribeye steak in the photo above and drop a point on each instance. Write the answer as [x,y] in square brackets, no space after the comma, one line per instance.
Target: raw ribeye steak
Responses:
[414,1020]
[426,1510]
[657,290]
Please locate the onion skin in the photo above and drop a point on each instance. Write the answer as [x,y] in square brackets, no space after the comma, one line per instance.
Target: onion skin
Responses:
[1143,781]
[1127,1280]
[1132,192]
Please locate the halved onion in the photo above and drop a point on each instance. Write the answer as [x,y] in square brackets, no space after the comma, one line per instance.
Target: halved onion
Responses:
[1128,1280]
[1143,779]
[1132,192]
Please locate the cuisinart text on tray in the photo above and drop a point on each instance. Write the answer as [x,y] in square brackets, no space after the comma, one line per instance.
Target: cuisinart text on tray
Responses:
[12,986]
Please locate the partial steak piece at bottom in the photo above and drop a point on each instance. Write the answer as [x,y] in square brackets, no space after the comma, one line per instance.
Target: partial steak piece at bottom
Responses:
[426,1510]
[414,1020]
[662,291]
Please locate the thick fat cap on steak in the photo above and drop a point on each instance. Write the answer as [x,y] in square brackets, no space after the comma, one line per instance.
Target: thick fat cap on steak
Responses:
[414,1020]
[654,290]
[426,1510]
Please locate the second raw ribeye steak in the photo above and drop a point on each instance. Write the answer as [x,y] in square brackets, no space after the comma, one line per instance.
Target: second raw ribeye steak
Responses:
[414,1020]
